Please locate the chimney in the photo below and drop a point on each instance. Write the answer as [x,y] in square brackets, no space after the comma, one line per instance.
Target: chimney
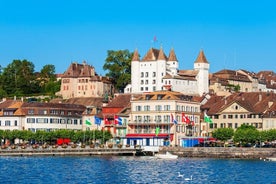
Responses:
[270,103]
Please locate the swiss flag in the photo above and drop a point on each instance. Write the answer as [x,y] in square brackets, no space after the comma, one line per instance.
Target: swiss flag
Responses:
[106,122]
[185,119]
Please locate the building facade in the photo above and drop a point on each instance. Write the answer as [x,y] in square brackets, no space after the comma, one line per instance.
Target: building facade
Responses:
[81,80]
[157,72]
[157,119]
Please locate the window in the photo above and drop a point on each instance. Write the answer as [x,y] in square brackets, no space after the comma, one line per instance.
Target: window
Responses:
[31,111]
[236,125]
[42,120]
[147,74]
[142,89]
[15,122]
[167,107]
[42,111]
[138,108]
[30,120]
[142,82]
[7,123]
[224,116]
[142,74]
[75,121]
[158,107]
[230,116]
[154,88]
[146,108]
[54,112]
[153,81]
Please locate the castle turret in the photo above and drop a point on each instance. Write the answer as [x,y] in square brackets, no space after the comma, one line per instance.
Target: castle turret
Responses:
[202,66]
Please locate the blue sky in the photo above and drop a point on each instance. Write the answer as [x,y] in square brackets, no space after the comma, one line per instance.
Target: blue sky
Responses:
[234,34]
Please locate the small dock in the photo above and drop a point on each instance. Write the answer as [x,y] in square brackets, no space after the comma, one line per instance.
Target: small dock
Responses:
[87,151]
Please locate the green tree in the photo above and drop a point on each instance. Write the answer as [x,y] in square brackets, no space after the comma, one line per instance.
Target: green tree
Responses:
[18,78]
[118,64]
[246,134]
[223,134]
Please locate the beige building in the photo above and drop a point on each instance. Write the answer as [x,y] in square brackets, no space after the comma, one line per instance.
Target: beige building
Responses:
[81,80]
[157,119]
[237,109]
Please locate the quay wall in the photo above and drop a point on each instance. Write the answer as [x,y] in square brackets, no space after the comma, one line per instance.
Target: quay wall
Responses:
[221,152]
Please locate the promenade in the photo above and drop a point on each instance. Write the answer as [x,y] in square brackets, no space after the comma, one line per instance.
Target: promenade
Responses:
[221,152]
[201,152]
[59,151]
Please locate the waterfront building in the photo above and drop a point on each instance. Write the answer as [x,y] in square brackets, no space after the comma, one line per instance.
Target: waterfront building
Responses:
[161,118]
[81,80]
[51,116]
[157,72]
[10,116]
[236,109]
[115,116]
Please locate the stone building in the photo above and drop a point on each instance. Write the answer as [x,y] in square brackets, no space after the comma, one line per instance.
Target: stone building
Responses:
[81,80]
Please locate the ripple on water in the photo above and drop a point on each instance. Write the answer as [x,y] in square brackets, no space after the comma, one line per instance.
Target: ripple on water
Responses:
[133,170]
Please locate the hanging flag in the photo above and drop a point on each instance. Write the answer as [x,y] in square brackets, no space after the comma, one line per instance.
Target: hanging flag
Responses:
[97,120]
[88,122]
[154,39]
[185,118]
[173,120]
[106,121]
[118,120]
[207,119]
[157,131]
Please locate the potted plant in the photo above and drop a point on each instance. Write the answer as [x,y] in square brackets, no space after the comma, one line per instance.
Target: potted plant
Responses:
[3,147]
[119,145]
[101,145]
[64,146]
[92,145]
[110,145]
[54,146]
[73,146]
[13,146]
[82,145]
[127,145]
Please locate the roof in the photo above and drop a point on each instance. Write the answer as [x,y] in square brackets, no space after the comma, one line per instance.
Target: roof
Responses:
[201,58]
[172,56]
[79,70]
[153,54]
[120,101]
[136,56]
[164,95]
[253,102]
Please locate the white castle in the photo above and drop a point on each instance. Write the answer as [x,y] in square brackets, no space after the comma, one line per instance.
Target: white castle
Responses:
[157,72]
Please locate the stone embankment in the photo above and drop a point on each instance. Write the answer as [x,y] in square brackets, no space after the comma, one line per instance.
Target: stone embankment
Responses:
[221,152]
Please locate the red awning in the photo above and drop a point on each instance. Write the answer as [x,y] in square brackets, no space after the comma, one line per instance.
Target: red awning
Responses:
[149,136]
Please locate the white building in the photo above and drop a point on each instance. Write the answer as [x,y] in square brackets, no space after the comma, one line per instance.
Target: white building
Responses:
[157,72]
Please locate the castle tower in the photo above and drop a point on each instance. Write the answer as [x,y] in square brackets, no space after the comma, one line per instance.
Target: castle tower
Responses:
[135,71]
[172,63]
[202,66]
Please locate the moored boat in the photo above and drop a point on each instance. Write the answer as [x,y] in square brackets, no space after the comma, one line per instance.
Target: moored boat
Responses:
[167,155]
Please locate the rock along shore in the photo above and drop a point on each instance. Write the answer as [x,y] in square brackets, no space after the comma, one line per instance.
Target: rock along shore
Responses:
[221,152]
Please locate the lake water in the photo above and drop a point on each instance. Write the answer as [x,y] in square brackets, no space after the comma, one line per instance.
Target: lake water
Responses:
[116,169]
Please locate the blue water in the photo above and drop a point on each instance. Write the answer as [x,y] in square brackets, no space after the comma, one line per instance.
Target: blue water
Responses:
[133,170]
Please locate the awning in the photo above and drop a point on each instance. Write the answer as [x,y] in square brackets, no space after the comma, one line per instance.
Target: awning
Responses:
[149,136]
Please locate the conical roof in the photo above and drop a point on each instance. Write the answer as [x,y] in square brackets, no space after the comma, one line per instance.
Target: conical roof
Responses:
[172,56]
[201,58]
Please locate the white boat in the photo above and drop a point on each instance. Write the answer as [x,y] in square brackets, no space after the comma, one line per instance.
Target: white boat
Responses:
[167,155]
[271,159]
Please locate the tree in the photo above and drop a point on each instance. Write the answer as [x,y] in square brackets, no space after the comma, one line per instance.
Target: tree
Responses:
[119,65]
[18,78]
[246,134]
[223,134]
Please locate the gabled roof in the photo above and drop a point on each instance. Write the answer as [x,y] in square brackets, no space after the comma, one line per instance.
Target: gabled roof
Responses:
[136,56]
[86,101]
[153,54]
[120,101]
[172,56]
[253,102]
[79,70]
[164,95]
[201,58]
